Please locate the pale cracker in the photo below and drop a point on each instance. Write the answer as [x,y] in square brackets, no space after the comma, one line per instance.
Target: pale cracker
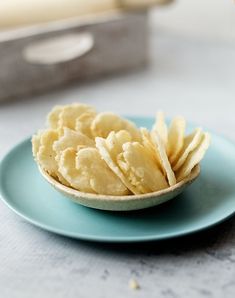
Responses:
[70,113]
[102,178]
[175,138]
[67,168]
[150,146]
[190,143]
[83,123]
[164,159]
[87,172]
[194,157]
[160,127]
[106,122]
[72,139]
[111,161]
[140,168]
[53,117]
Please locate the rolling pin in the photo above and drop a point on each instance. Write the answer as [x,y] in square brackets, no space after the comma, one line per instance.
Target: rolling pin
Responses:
[15,13]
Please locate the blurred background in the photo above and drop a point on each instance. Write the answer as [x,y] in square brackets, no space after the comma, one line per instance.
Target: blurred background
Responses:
[129,56]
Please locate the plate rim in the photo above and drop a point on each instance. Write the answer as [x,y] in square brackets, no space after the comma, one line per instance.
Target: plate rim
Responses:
[109,239]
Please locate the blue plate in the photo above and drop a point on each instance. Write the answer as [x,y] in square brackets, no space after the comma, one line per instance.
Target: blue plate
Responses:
[210,200]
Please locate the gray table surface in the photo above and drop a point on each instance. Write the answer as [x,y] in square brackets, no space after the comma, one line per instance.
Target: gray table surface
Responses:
[187,75]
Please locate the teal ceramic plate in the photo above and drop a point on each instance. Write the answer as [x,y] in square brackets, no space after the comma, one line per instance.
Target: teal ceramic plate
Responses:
[208,201]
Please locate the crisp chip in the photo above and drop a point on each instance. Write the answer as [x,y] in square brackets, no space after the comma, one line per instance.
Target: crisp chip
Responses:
[190,143]
[114,142]
[46,154]
[87,172]
[72,139]
[110,157]
[106,122]
[83,123]
[150,147]
[69,114]
[122,159]
[67,168]
[36,140]
[53,117]
[146,141]
[160,127]
[194,158]
[140,168]
[102,179]
[164,159]
[175,138]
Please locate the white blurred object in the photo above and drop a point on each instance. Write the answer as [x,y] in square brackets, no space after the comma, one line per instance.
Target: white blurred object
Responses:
[25,12]
[59,49]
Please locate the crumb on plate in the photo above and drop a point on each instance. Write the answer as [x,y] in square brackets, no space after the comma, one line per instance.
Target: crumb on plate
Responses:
[133,284]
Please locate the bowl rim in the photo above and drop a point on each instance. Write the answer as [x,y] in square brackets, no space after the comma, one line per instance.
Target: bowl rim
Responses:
[90,196]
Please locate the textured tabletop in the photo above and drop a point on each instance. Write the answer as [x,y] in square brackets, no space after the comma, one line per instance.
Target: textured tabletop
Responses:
[188,75]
